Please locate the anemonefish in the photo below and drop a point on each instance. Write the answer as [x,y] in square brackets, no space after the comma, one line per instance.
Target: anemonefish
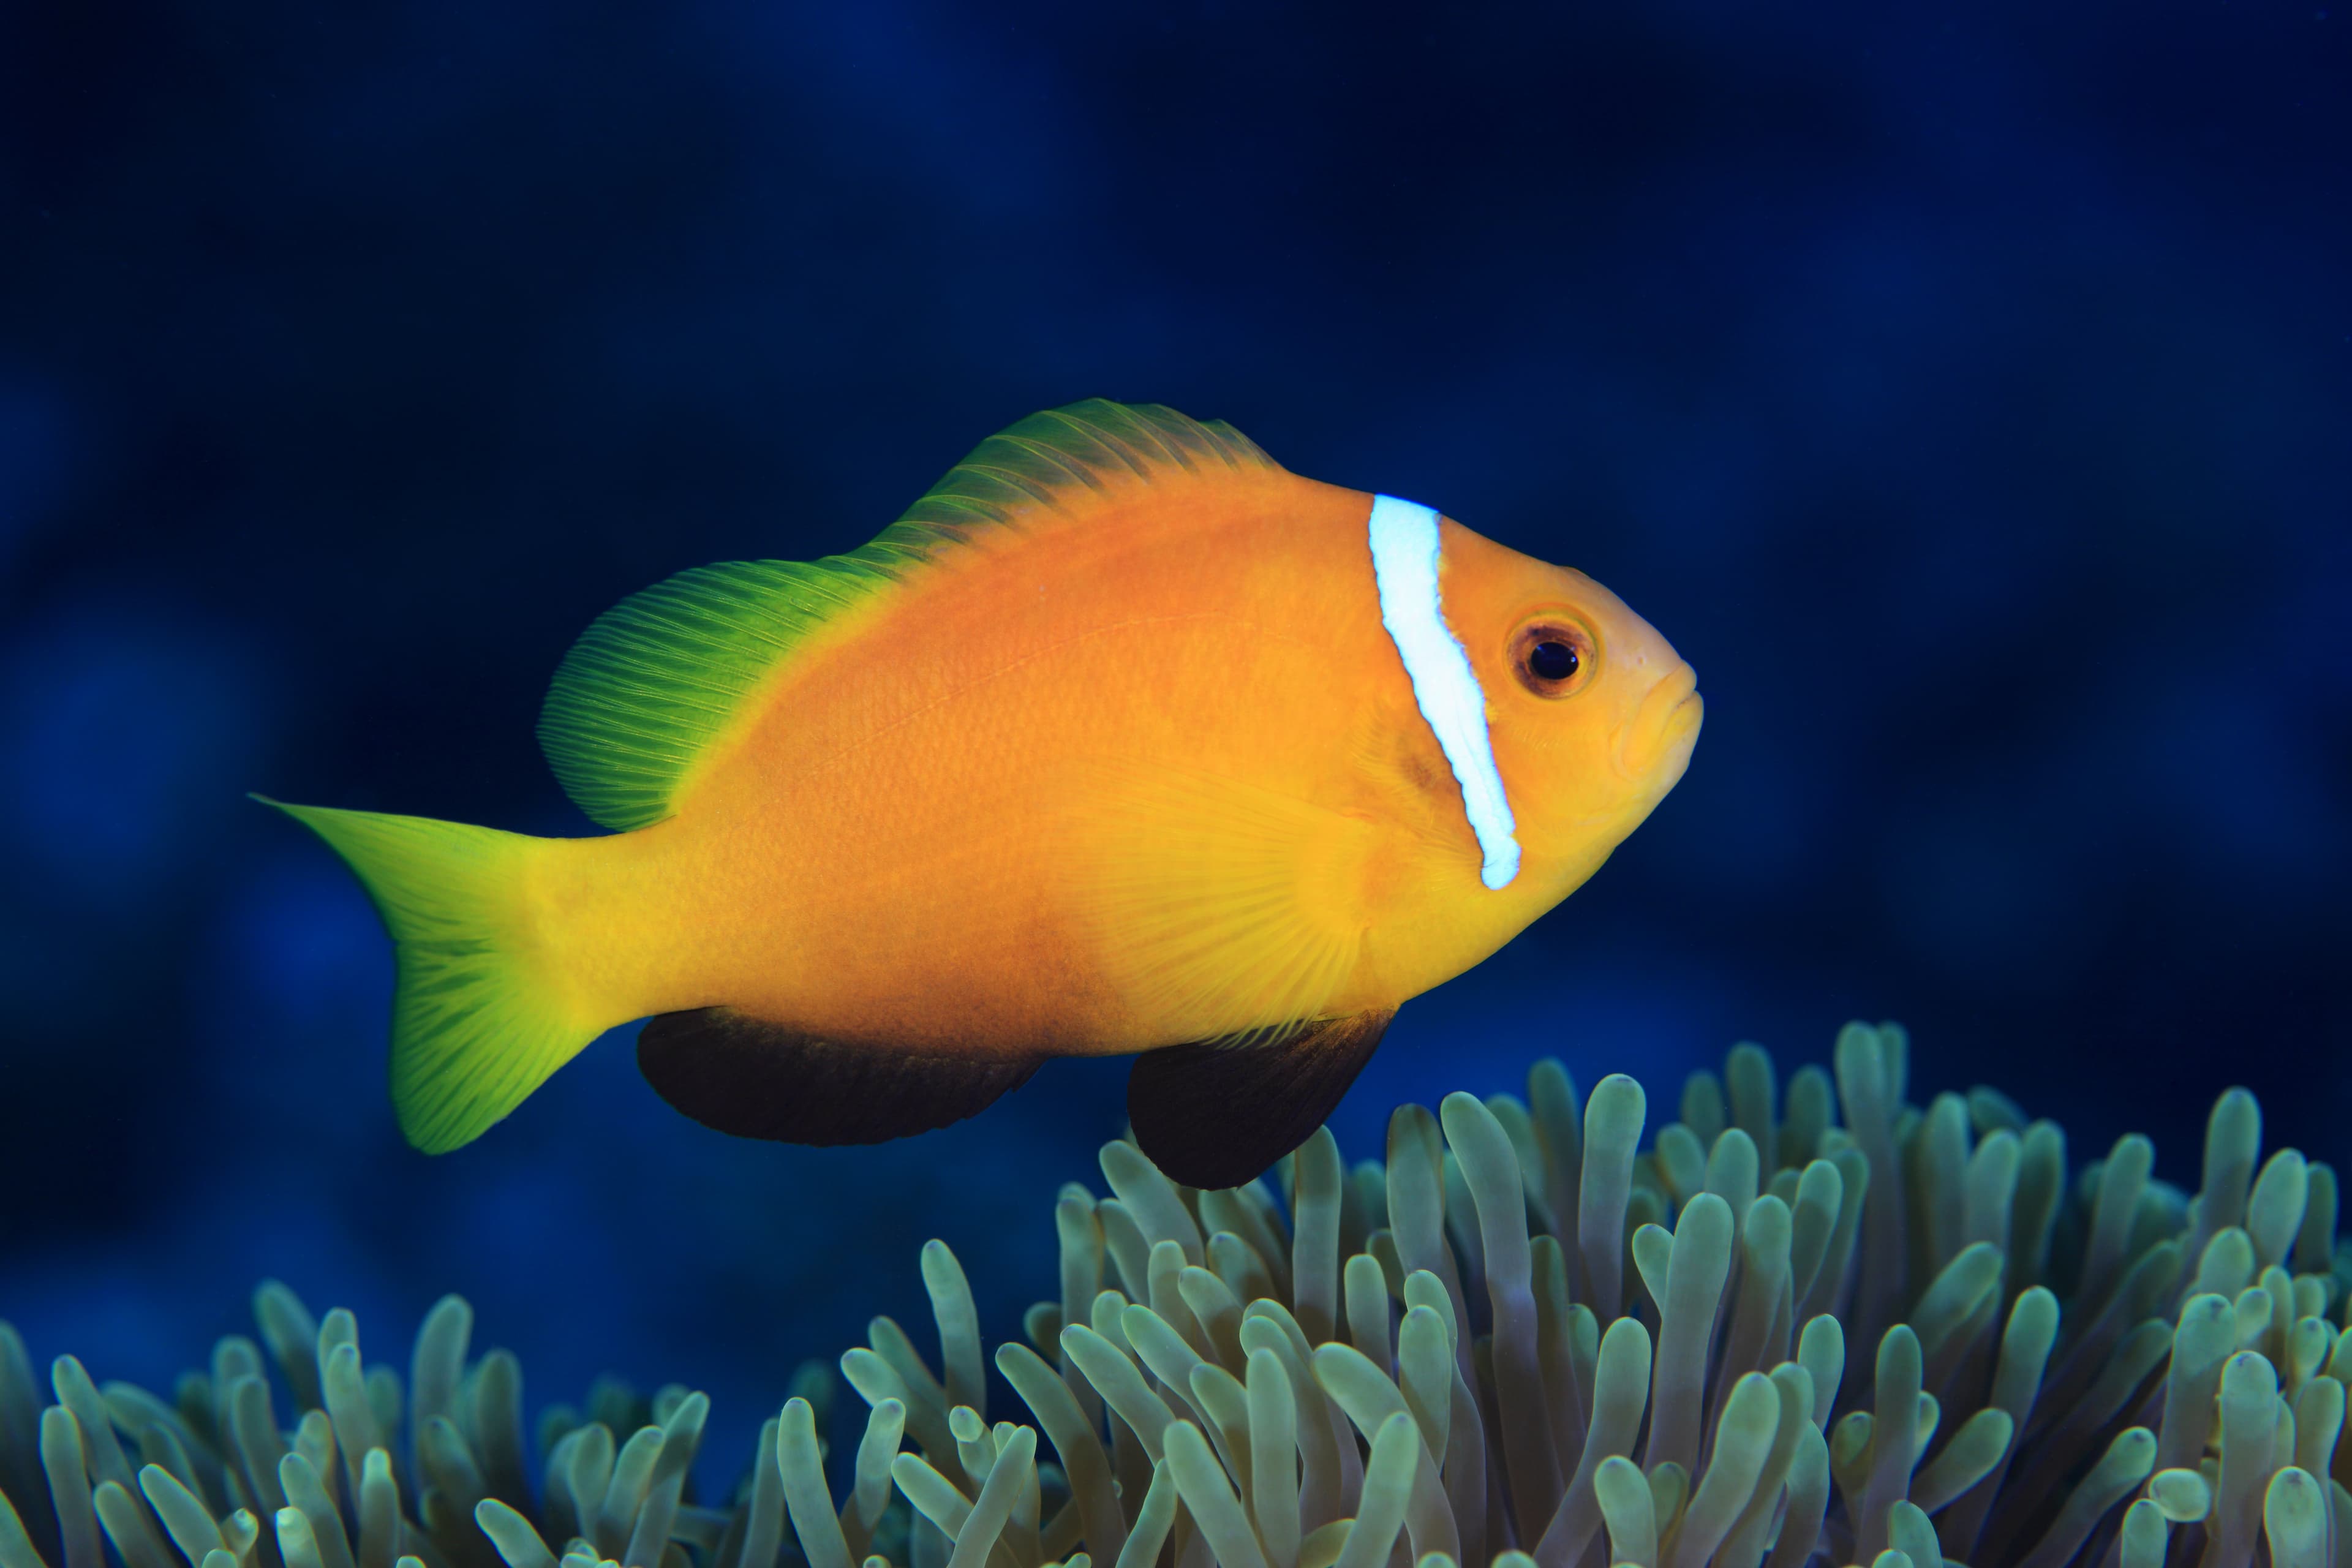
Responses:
[1124,739]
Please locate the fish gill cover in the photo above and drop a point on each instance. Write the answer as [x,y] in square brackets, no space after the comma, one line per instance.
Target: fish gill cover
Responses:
[1900,1336]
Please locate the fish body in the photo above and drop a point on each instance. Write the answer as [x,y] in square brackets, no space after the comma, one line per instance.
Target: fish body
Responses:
[1118,744]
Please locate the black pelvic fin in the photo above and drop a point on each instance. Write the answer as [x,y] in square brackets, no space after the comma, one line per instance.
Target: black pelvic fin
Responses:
[756,1079]
[1216,1115]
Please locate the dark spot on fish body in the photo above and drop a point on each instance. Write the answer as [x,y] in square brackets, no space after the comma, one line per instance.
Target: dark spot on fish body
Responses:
[1423,776]
[1419,763]
[1411,783]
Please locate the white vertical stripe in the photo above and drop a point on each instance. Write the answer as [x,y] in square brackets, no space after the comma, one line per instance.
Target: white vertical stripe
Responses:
[1444,686]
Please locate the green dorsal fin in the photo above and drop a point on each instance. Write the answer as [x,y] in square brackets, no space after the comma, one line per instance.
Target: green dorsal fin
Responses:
[658,677]
[1058,460]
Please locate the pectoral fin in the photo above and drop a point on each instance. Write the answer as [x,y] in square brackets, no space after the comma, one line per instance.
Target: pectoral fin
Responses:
[1216,1115]
[758,1079]
[1219,908]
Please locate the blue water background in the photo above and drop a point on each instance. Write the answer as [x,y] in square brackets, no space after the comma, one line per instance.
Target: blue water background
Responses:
[1965,389]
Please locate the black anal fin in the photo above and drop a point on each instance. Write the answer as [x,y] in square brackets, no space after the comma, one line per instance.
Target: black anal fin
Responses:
[1217,1115]
[762,1080]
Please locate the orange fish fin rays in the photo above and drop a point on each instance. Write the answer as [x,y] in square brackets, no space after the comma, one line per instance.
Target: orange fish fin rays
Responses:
[1217,1115]
[757,1080]
[1220,909]
[650,690]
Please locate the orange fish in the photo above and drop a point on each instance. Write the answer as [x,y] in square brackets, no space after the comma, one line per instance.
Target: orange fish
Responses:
[1124,739]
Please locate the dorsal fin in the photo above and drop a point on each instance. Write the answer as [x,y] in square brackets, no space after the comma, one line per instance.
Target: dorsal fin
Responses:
[647,687]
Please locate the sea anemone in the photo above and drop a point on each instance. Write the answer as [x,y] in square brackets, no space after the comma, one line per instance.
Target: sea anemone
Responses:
[1521,1340]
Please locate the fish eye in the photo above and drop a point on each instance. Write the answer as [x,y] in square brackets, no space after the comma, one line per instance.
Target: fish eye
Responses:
[1552,657]
[1552,660]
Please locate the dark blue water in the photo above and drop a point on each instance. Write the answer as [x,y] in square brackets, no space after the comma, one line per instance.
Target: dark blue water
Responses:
[1965,389]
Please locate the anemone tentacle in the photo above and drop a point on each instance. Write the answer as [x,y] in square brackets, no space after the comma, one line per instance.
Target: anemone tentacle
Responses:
[1772,1337]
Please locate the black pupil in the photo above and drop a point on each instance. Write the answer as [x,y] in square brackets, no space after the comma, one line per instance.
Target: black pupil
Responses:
[1552,660]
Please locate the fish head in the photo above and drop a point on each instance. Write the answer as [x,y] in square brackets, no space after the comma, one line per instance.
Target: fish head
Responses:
[1590,712]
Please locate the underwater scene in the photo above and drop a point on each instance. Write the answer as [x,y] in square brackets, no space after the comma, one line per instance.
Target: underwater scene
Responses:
[930,785]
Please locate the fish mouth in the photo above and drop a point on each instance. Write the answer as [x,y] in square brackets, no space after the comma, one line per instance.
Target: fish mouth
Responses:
[1656,742]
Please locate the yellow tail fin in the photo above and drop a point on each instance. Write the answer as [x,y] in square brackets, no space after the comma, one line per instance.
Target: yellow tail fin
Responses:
[479,1015]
